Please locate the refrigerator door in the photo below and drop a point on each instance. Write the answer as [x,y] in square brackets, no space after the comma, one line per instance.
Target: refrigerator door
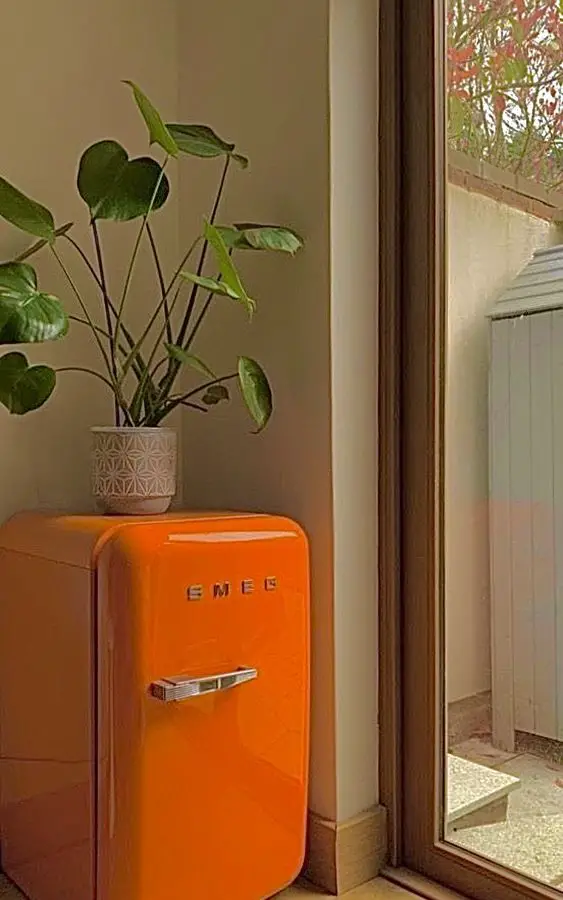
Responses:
[203,709]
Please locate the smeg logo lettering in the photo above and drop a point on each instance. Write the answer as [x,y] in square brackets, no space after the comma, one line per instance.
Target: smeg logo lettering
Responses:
[224,589]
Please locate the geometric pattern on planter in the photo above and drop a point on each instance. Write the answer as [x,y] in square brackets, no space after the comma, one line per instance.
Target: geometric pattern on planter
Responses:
[131,462]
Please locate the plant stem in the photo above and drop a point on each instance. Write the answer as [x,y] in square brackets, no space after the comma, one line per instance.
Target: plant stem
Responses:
[185,258]
[173,365]
[138,363]
[115,385]
[83,307]
[161,332]
[153,419]
[204,387]
[199,270]
[93,372]
[86,322]
[159,365]
[162,391]
[138,367]
[127,335]
[182,401]
[100,377]
[136,247]
[41,244]
[197,324]
[199,408]
[136,347]
[160,277]
[107,311]
[96,277]
[79,250]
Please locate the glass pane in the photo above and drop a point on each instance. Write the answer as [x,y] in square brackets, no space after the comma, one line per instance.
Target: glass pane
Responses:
[504,435]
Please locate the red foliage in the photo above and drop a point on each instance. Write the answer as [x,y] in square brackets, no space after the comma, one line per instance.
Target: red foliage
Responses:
[505,62]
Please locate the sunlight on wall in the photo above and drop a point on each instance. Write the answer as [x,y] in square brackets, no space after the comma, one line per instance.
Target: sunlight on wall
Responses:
[488,245]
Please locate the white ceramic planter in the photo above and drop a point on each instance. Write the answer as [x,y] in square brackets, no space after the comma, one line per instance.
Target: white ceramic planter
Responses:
[134,469]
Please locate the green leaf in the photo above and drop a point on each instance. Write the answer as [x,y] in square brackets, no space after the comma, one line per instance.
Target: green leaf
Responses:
[243,161]
[117,188]
[515,70]
[101,166]
[158,131]
[38,245]
[200,140]
[26,314]
[24,388]
[522,69]
[244,236]
[256,391]
[135,190]
[272,237]
[210,284]
[227,269]
[518,31]
[25,213]
[233,239]
[188,359]
[457,115]
[215,393]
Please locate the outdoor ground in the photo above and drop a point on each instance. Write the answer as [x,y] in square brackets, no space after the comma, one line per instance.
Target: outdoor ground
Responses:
[531,838]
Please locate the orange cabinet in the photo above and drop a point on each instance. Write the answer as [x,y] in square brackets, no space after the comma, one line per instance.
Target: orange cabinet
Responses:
[154,706]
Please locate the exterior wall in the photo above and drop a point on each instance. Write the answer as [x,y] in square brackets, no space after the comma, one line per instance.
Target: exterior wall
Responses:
[488,245]
[61,91]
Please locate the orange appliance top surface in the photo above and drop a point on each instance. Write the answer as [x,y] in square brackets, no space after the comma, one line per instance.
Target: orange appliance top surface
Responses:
[78,539]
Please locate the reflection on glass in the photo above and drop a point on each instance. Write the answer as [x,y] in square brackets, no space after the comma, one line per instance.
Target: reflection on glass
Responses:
[504,435]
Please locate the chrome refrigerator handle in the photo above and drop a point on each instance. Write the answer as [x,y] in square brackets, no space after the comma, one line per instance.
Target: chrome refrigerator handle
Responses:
[170,690]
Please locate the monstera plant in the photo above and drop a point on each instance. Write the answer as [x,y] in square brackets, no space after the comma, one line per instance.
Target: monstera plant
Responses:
[143,371]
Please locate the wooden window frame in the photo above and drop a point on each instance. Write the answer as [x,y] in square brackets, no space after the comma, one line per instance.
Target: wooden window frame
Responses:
[413,176]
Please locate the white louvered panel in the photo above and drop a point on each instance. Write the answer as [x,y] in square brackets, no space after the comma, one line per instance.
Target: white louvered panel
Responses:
[526,484]
[557,388]
[500,531]
[543,558]
[520,512]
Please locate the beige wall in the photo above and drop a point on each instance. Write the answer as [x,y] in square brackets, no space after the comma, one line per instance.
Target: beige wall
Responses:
[354,226]
[60,90]
[488,245]
[295,86]
[267,89]
[280,74]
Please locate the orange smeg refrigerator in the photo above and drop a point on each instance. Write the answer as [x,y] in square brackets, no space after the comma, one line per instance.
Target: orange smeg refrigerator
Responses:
[154,706]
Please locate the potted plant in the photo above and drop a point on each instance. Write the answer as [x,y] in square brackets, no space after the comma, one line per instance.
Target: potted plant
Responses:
[134,459]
